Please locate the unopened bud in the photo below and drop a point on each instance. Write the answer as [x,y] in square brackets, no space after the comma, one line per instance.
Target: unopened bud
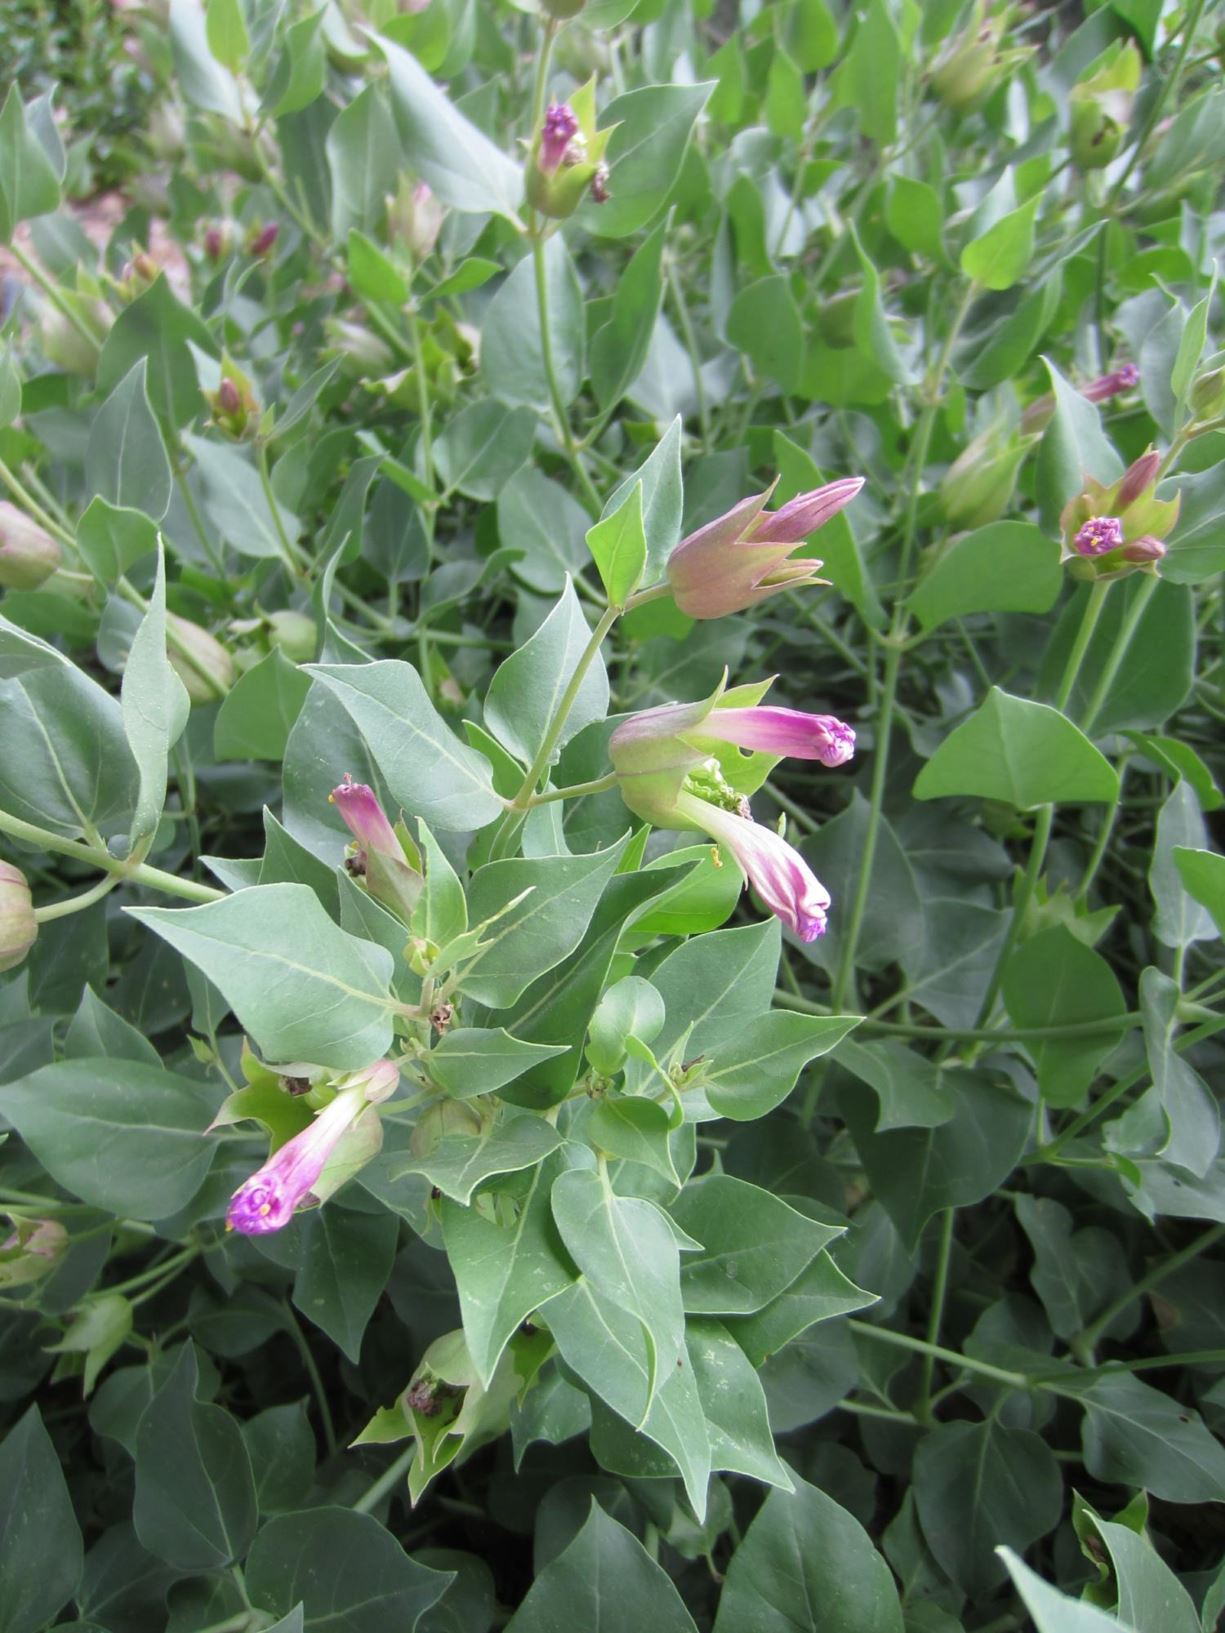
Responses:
[31,1250]
[295,634]
[978,486]
[261,239]
[1138,479]
[18,926]
[364,353]
[28,556]
[415,217]
[448,1117]
[1111,385]
[1101,107]
[229,398]
[1144,550]
[217,241]
[66,346]
[199,659]
[1208,395]
[558,131]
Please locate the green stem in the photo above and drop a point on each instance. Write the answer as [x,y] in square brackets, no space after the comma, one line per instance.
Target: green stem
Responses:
[1087,1339]
[890,1414]
[75,904]
[423,407]
[597,785]
[562,713]
[390,1477]
[139,873]
[560,415]
[923,1409]
[316,1382]
[289,555]
[920,1346]
[28,503]
[166,1270]
[55,295]
[691,346]
[1122,645]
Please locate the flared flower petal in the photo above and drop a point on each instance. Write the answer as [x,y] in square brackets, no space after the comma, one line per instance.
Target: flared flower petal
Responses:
[778,873]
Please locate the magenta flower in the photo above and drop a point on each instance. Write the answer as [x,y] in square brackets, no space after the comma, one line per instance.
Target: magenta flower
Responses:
[273,1194]
[558,131]
[646,741]
[1098,535]
[779,874]
[741,557]
[378,856]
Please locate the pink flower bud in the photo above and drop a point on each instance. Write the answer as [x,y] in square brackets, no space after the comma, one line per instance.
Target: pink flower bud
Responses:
[1137,479]
[18,926]
[229,398]
[379,858]
[1098,535]
[1111,385]
[741,557]
[558,131]
[1144,549]
[264,239]
[28,556]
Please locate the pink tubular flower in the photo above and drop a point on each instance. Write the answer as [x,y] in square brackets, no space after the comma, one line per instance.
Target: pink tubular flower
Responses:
[558,131]
[270,1198]
[741,557]
[779,874]
[785,731]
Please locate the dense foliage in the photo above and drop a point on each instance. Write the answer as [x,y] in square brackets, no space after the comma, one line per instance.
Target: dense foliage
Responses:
[463,1165]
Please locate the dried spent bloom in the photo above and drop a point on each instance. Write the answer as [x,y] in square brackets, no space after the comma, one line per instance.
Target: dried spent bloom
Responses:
[599,184]
[779,874]
[560,128]
[268,1200]
[1098,535]
[741,557]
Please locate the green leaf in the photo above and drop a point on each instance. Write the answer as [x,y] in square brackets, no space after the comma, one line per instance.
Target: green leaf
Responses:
[867,78]
[226,31]
[753,1062]
[977,1485]
[473,1060]
[753,1245]
[1133,1435]
[618,546]
[205,84]
[117,1133]
[483,447]
[1053,979]
[348,1571]
[1203,875]
[842,563]
[10,389]
[559,893]
[112,540]
[426,768]
[303,988]
[764,323]
[1192,1117]
[999,257]
[633,1130]
[1005,567]
[29,185]
[1069,1272]
[40,1540]
[346,1260]
[604,1579]
[1022,753]
[528,687]
[619,349]
[608,1347]
[125,461]
[537,517]
[96,1030]
[819,1293]
[914,1092]
[235,501]
[155,709]
[1052,1611]
[373,275]
[364,160]
[663,497]
[916,1172]
[281,1445]
[873,336]
[628,1252]
[915,217]
[735,1406]
[803,1550]
[458,161]
[1149,1595]
[512,348]
[257,713]
[1179,919]
[506,1268]
[158,327]
[644,155]
[195,1496]
[301,70]
[505,1145]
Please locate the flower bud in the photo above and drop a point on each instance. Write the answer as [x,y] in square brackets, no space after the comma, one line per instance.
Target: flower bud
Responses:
[32,1250]
[295,634]
[1138,478]
[973,62]
[1144,550]
[63,343]
[199,659]
[560,128]
[1101,105]
[379,856]
[18,926]
[1111,385]
[164,131]
[414,218]
[978,486]
[567,153]
[28,556]
[261,239]
[1208,395]
[218,241]
[362,352]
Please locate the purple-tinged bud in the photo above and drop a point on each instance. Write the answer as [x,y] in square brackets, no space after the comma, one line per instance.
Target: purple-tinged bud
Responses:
[18,926]
[1111,385]
[28,556]
[779,874]
[599,184]
[379,857]
[560,128]
[741,557]
[273,1194]
[1098,535]
[790,732]
[217,240]
[1138,478]
[229,398]
[1207,396]
[261,240]
[1144,550]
